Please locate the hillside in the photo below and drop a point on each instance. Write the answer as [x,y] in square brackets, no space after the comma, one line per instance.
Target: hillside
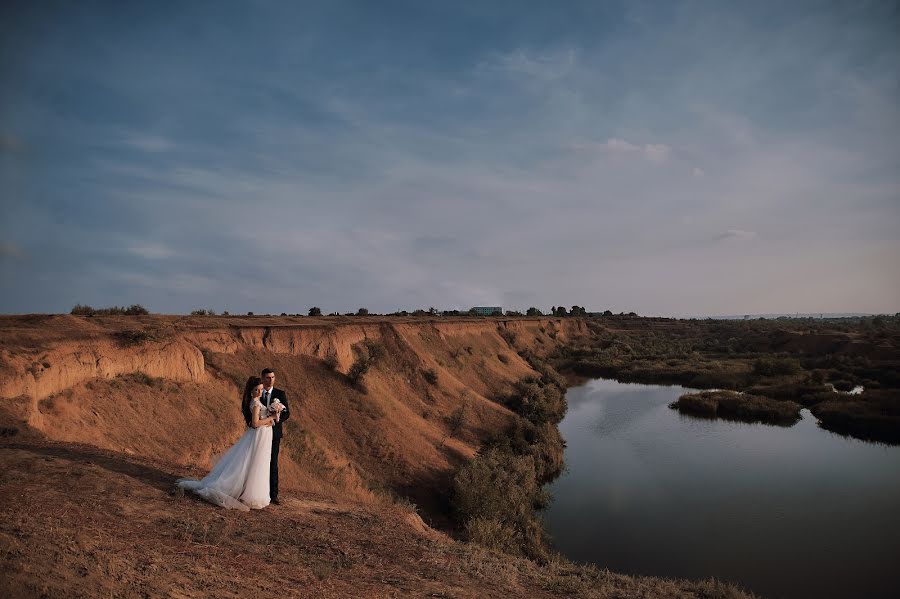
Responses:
[100,415]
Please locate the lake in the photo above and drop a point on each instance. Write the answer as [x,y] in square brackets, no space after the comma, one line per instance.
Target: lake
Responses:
[782,512]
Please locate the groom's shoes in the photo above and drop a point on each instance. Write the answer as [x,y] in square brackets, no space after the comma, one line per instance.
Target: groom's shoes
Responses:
[276,501]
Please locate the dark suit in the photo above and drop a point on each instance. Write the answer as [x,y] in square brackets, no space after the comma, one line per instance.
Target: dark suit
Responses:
[276,437]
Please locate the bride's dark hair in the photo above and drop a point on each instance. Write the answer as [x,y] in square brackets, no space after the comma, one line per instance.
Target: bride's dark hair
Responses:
[252,382]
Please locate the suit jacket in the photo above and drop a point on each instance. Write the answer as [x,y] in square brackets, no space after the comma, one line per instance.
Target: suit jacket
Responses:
[285,413]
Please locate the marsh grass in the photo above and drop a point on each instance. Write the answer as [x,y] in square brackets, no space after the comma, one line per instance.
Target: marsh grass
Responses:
[738,406]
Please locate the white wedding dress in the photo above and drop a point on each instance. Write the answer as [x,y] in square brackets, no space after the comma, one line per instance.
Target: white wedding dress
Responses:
[240,479]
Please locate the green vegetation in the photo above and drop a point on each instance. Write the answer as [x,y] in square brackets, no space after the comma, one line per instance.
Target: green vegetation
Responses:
[497,496]
[132,310]
[358,371]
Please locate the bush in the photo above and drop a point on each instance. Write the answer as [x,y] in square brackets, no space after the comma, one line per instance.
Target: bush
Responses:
[362,312]
[202,312]
[358,371]
[537,402]
[331,361]
[508,336]
[80,310]
[315,311]
[494,497]
[430,375]
[132,310]
[374,349]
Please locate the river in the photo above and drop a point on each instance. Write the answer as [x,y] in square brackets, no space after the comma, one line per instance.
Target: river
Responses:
[781,511]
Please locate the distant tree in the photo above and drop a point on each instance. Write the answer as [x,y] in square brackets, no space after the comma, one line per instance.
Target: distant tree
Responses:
[560,311]
[362,312]
[315,311]
[249,313]
[419,312]
[607,313]
[533,312]
[578,311]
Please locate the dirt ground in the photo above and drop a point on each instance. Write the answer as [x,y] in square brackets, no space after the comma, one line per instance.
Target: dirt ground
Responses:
[78,521]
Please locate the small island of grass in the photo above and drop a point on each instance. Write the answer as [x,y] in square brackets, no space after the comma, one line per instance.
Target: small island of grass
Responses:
[744,407]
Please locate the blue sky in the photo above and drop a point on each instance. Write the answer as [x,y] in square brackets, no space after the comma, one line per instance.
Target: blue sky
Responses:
[676,158]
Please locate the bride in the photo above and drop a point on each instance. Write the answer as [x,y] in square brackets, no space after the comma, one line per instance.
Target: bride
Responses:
[240,479]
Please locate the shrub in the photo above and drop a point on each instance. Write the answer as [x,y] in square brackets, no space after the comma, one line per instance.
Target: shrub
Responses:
[132,310]
[375,349]
[537,402]
[430,375]
[508,336]
[358,371]
[331,361]
[362,312]
[315,311]
[203,312]
[494,497]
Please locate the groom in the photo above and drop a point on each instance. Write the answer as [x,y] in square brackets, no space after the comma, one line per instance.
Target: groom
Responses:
[270,393]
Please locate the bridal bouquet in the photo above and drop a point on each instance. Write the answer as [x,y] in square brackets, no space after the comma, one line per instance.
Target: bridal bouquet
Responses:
[276,408]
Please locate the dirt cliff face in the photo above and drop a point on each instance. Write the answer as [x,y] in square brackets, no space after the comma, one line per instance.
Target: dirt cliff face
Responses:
[168,388]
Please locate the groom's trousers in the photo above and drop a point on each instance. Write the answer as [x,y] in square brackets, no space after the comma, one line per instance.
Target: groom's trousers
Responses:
[273,469]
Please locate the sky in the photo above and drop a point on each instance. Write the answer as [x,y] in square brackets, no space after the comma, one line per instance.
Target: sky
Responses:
[667,158]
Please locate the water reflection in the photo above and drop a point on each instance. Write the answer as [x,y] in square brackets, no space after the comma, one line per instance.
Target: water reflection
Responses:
[785,512]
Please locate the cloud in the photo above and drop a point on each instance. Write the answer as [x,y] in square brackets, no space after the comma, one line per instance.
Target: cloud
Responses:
[148,143]
[737,234]
[10,250]
[543,66]
[657,152]
[10,143]
[151,251]
[394,177]
[651,152]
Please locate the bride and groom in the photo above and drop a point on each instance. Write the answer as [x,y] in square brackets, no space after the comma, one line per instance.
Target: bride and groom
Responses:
[247,475]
